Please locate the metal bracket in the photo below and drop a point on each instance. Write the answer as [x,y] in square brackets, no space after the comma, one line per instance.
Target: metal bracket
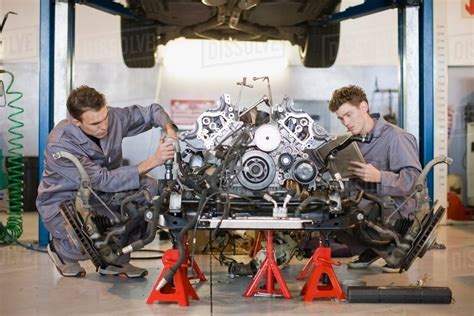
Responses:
[112,8]
[366,8]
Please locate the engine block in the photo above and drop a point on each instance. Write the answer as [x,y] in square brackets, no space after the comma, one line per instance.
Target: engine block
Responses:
[276,150]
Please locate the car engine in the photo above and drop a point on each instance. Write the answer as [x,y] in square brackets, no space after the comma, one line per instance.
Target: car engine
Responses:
[265,167]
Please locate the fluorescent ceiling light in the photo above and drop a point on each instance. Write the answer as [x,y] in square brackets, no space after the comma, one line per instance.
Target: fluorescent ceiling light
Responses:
[213,58]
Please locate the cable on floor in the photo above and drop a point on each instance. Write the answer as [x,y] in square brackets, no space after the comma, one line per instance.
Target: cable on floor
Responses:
[25,245]
[148,257]
[33,247]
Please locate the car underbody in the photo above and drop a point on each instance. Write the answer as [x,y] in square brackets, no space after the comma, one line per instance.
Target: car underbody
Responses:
[296,21]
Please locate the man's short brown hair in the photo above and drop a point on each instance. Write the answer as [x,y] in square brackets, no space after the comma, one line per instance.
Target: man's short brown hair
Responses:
[350,94]
[83,99]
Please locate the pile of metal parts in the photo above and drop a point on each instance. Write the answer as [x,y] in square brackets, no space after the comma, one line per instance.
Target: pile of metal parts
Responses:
[264,167]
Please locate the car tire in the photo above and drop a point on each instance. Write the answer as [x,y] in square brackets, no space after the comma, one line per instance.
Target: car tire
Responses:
[139,43]
[321,46]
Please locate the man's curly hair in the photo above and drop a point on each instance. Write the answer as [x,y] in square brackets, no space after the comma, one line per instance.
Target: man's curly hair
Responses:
[83,99]
[350,94]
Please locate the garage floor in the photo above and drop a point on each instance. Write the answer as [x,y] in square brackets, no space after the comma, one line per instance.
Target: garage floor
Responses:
[30,285]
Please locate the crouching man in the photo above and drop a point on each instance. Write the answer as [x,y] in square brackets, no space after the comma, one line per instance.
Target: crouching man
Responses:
[93,134]
[392,164]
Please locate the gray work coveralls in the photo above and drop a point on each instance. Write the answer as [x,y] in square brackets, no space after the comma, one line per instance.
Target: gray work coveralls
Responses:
[395,153]
[60,180]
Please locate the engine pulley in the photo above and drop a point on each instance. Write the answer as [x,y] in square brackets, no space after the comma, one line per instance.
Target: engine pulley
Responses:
[304,171]
[267,137]
[258,170]
[285,161]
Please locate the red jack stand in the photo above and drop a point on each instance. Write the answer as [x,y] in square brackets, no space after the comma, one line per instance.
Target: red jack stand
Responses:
[198,274]
[321,264]
[269,268]
[309,265]
[258,244]
[177,292]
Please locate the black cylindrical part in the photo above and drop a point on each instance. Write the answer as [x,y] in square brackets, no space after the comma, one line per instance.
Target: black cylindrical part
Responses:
[399,294]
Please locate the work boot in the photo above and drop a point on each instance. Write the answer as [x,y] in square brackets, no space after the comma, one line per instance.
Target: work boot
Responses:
[65,267]
[364,260]
[126,270]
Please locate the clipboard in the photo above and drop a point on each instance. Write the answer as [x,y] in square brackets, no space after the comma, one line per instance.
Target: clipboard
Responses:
[343,157]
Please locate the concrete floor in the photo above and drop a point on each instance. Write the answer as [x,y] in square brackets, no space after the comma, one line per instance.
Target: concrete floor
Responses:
[30,285]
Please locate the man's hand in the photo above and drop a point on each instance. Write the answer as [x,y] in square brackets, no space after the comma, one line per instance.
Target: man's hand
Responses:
[164,152]
[365,171]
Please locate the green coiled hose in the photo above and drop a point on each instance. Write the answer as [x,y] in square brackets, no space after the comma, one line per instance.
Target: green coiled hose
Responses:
[14,228]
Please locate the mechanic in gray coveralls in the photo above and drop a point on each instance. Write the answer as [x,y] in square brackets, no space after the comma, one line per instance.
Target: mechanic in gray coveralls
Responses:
[392,164]
[94,134]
